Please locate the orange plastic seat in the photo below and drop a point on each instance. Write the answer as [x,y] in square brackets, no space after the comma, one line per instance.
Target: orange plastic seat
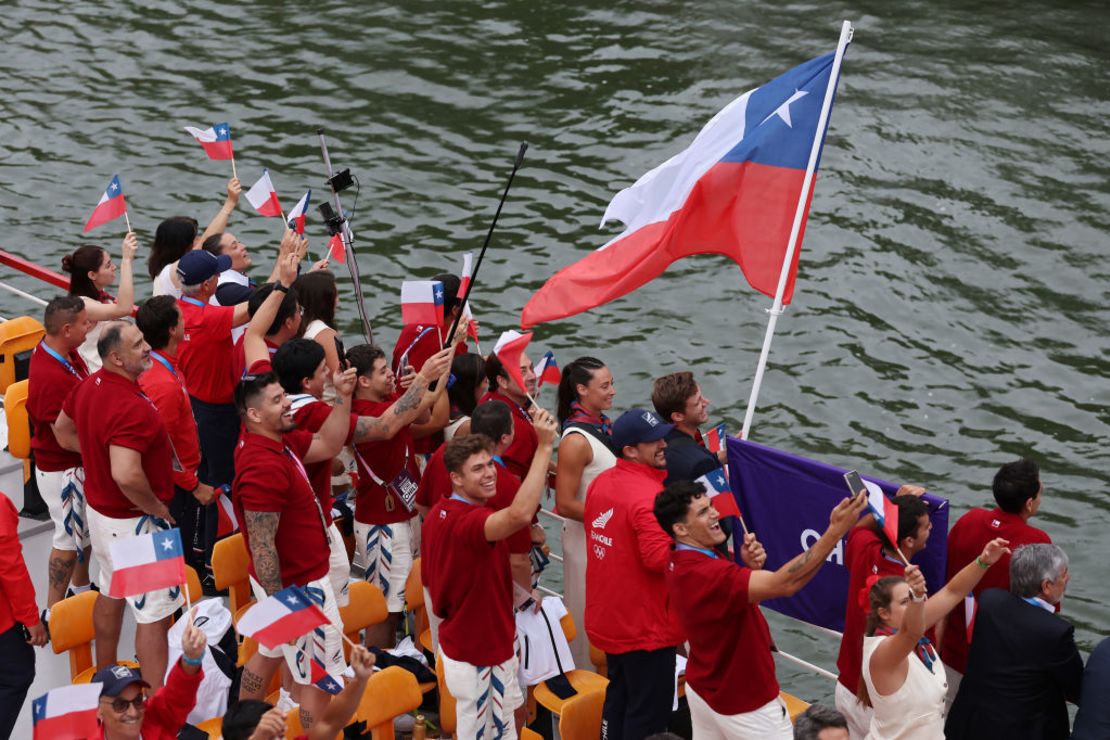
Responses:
[600,661]
[527,734]
[583,681]
[448,721]
[192,581]
[389,693]
[581,716]
[19,424]
[414,598]
[794,705]
[71,631]
[18,338]
[229,570]
[366,608]
[214,727]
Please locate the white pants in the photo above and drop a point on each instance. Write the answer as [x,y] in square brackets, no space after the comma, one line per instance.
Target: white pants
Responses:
[433,621]
[339,568]
[954,679]
[103,530]
[479,704]
[64,494]
[385,553]
[770,722]
[324,643]
[856,712]
[574,587]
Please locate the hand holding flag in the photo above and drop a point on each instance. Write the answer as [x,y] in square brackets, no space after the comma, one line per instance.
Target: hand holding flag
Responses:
[111,206]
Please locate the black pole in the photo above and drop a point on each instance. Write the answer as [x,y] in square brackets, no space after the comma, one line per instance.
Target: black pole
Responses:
[489,235]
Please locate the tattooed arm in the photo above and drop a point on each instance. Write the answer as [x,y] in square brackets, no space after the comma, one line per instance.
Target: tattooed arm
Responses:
[262,530]
[409,407]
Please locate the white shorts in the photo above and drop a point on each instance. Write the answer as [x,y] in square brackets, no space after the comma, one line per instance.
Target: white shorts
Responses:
[478,685]
[856,712]
[384,552]
[770,721]
[339,568]
[323,643]
[64,494]
[103,530]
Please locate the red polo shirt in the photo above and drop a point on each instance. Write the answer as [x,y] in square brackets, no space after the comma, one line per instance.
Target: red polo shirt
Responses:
[49,381]
[471,584]
[108,409]
[730,664]
[310,417]
[626,555]
[385,459]
[239,366]
[864,557]
[269,476]
[518,457]
[17,593]
[165,388]
[206,351]
[966,541]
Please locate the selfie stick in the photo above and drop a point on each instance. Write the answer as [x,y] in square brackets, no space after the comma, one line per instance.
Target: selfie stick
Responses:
[348,245]
[489,235]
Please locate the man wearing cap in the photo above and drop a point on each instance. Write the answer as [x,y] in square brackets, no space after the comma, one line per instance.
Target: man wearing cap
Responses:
[126,712]
[626,593]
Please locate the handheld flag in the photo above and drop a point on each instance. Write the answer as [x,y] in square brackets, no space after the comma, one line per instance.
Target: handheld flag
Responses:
[719,492]
[263,196]
[215,139]
[281,618]
[422,302]
[147,562]
[297,215]
[508,349]
[111,206]
[336,249]
[322,679]
[226,522]
[715,439]
[467,271]
[884,510]
[67,712]
[970,608]
[547,371]
[734,191]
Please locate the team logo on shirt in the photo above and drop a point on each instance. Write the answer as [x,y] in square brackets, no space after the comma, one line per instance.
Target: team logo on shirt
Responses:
[602,519]
[996,523]
[599,552]
[442,514]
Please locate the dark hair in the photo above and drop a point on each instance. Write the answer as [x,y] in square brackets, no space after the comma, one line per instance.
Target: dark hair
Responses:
[451,285]
[670,393]
[461,449]
[1015,483]
[286,310]
[212,244]
[250,388]
[494,370]
[110,337]
[60,311]
[363,356]
[910,511]
[316,292]
[673,503]
[172,239]
[295,361]
[242,718]
[85,259]
[155,318]
[469,371]
[817,717]
[577,372]
[878,597]
[493,419]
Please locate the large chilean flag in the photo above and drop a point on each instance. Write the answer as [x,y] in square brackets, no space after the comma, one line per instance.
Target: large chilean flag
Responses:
[67,712]
[733,191]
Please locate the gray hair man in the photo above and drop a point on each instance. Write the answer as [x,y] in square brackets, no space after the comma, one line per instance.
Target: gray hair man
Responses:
[819,722]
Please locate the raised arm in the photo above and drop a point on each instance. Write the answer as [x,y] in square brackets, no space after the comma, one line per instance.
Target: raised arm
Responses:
[342,708]
[218,223]
[406,408]
[888,661]
[254,340]
[518,515]
[327,442]
[953,592]
[128,473]
[125,299]
[262,531]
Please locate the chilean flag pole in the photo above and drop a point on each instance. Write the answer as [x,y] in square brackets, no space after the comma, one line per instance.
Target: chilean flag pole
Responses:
[281,618]
[67,712]
[111,206]
[147,562]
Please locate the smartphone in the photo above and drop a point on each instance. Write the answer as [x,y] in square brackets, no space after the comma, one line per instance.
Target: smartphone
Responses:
[343,364]
[855,483]
[403,363]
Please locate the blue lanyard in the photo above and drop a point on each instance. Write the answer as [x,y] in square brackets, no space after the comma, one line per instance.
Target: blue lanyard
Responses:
[193,301]
[1039,603]
[702,550]
[65,363]
[457,497]
[497,459]
[165,363]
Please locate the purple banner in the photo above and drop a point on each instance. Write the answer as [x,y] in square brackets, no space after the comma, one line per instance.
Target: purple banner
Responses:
[786,500]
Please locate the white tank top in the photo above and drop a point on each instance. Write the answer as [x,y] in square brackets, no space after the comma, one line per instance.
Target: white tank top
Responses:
[603,459]
[916,710]
[314,328]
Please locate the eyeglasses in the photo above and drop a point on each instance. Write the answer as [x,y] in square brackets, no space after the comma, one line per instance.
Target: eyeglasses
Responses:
[120,706]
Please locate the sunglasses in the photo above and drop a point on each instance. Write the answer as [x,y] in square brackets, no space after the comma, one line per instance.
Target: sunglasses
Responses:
[120,706]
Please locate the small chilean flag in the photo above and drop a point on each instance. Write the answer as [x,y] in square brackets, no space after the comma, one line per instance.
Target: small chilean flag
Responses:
[547,371]
[147,562]
[467,271]
[422,302]
[297,215]
[508,349]
[215,139]
[67,712]
[720,494]
[884,510]
[281,618]
[715,439]
[969,615]
[323,680]
[226,521]
[111,206]
[337,250]
[263,196]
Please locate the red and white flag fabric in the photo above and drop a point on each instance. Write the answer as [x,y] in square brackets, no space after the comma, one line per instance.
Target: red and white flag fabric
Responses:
[281,618]
[715,439]
[67,713]
[467,272]
[111,206]
[734,191]
[510,346]
[323,680]
[297,215]
[719,492]
[547,370]
[336,249]
[422,302]
[147,562]
[215,139]
[969,615]
[884,510]
[263,196]
[226,522]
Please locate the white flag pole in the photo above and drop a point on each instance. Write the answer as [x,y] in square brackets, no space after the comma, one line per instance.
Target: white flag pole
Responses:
[799,214]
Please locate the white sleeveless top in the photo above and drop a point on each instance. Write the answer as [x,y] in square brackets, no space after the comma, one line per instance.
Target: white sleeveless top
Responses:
[916,710]
[87,350]
[603,459]
[314,328]
[163,283]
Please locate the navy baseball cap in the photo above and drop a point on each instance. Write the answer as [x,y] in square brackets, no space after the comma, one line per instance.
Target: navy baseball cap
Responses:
[199,264]
[638,425]
[118,677]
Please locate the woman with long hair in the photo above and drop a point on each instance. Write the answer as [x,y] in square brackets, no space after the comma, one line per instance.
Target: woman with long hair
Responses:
[469,384]
[319,296]
[585,393]
[91,271]
[177,235]
[903,678]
